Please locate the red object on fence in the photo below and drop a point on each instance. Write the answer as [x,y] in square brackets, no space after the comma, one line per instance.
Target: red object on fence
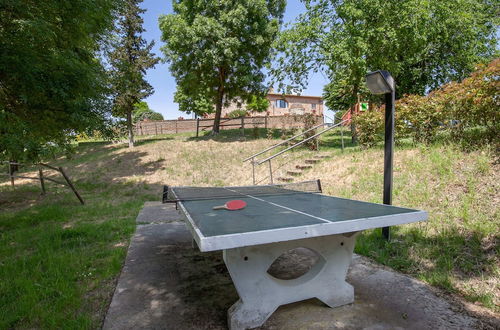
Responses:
[348,115]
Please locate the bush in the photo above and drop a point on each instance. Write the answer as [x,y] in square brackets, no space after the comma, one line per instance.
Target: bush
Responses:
[468,110]
[420,117]
[370,127]
[310,121]
[237,113]
[475,102]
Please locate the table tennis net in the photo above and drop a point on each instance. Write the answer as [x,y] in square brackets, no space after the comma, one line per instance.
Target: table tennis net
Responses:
[176,194]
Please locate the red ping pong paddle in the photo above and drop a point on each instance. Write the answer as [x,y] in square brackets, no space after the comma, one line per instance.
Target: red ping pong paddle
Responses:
[232,205]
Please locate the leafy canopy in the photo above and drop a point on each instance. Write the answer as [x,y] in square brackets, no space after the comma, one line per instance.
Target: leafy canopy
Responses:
[467,109]
[257,103]
[217,48]
[422,43]
[52,84]
[142,112]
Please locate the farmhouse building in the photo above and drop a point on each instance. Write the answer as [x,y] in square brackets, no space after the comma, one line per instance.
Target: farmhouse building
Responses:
[281,105]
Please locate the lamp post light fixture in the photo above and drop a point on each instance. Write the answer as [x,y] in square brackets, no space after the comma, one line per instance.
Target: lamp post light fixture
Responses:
[381,82]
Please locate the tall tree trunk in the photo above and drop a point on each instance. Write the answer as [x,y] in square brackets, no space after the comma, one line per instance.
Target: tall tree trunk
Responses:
[218,103]
[218,112]
[130,128]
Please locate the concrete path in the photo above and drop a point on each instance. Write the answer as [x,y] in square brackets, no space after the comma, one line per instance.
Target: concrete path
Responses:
[166,284]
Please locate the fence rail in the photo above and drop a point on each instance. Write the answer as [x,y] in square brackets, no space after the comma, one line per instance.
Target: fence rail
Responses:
[202,124]
[230,122]
[13,167]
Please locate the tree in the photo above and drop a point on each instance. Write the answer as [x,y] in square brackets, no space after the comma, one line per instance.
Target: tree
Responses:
[216,50]
[422,43]
[129,60]
[142,112]
[193,101]
[257,103]
[52,84]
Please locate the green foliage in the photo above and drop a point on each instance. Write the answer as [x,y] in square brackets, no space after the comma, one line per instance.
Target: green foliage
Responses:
[467,109]
[423,44]
[369,127]
[420,117]
[257,103]
[191,102]
[129,59]
[237,113]
[310,121]
[475,102]
[52,84]
[216,50]
[142,112]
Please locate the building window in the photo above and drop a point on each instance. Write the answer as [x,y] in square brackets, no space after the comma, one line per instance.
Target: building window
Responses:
[281,104]
[313,106]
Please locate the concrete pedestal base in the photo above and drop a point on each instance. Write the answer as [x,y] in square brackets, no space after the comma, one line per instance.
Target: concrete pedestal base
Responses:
[261,293]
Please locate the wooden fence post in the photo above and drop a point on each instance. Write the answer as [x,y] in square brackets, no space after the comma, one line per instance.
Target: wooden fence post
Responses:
[156,128]
[342,137]
[42,182]
[243,126]
[176,130]
[71,185]
[197,126]
[11,174]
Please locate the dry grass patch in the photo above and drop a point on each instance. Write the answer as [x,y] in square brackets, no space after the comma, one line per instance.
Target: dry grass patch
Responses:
[78,251]
[457,249]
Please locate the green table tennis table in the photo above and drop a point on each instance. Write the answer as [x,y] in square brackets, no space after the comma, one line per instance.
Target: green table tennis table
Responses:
[279,218]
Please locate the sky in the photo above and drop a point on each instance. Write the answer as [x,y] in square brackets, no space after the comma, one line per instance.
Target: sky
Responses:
[162,81]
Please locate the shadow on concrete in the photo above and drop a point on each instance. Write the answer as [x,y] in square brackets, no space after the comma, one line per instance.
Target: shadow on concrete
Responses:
[168,284]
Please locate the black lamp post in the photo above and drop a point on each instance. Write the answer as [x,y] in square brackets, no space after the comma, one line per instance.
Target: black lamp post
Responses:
[381,82]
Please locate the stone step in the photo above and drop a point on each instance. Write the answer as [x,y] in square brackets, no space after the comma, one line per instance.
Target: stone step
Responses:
[321,156]
[294,173]
[312,161]
[303,167]
[285,179]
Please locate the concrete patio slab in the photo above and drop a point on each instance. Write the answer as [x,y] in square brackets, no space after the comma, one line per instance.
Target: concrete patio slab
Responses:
[157,212]
[166,284]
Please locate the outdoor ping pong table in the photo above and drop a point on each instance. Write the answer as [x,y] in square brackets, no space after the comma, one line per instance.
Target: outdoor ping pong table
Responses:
[279,218]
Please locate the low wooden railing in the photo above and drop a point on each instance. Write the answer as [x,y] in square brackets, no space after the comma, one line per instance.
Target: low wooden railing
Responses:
[13,167]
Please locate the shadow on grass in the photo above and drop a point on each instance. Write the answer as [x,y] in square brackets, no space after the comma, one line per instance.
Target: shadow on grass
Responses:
[95,165]
[94,143]
[232,135]
[437,259]
[59,259]
[145,141]
[337,137]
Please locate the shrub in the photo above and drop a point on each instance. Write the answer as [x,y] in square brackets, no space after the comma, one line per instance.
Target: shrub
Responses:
[475,102]
[420,117]
[369,127]
[468,110]
[237,113]
[310,121]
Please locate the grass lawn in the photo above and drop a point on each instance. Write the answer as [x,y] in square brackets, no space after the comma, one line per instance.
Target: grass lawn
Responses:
[59,260]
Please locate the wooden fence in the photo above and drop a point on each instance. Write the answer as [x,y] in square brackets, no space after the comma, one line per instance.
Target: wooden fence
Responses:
[13,167]
[158,127]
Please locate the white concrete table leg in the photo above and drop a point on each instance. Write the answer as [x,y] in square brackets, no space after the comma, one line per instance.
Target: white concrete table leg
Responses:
[261,294]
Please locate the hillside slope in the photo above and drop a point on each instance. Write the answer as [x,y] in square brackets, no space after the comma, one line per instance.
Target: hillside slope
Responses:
[60,258]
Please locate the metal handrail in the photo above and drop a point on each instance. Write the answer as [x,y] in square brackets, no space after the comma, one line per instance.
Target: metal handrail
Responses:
[301,142]
[281,143]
